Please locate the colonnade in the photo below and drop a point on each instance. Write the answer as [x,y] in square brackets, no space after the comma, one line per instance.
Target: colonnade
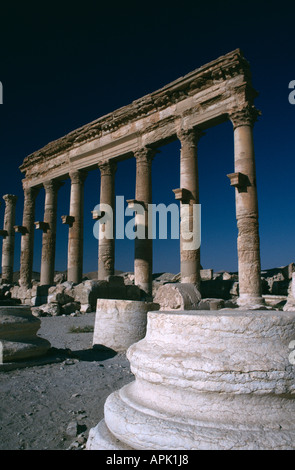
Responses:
[243,179]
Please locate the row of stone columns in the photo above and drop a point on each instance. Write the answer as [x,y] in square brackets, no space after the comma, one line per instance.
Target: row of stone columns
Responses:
[243,179]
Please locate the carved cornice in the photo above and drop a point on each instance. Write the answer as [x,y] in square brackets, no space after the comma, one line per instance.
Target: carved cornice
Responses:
[223,68]
[246,116]
[107,168]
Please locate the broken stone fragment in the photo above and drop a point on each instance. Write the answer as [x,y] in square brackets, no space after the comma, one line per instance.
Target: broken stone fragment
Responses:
[178,296]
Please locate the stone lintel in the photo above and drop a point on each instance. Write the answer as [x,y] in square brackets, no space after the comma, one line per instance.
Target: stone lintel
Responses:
[68,219]
[238,180]
[44,226]
[20,229]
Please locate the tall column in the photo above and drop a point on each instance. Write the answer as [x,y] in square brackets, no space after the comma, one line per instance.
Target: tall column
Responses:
[8,239]
[244,180]
[49,232]
[188,194]
[143,259]
[106,251]
[75,245]
[27,239]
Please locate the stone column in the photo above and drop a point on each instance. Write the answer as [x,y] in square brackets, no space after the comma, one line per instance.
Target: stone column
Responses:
[188,194]
[8,239]
[143,259]
[75,245]
[27,240]
[49,232]
[106,250]
[244,180]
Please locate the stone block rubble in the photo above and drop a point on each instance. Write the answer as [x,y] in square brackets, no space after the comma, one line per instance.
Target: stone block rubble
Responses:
[217,290]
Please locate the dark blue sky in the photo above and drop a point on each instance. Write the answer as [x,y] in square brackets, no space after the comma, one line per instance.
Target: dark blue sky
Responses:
[63,65]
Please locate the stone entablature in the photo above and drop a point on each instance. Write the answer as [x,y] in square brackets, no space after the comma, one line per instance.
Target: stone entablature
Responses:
[203,97]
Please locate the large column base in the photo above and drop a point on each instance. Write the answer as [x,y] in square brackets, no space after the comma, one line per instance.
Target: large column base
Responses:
[206,380]
[18,336]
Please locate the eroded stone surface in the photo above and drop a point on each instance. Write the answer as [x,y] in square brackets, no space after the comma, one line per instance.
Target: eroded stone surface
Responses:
[120,323]
[18,334]
[207,380]
[178,297]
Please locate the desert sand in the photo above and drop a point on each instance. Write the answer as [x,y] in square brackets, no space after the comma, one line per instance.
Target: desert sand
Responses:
[53,406]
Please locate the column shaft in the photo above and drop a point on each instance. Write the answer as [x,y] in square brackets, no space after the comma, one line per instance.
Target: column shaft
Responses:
[189,259]
[75,244]
[49,233]
[106,250]
[247,209]
[27,239]
[143,259]
[8,241]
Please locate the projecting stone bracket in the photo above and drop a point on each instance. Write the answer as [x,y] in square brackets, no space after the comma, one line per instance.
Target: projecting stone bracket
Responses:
[131,203]
[68,220]
[3,233]
[44,226]
[20,229]
[183,195]
[96,215]
[239,181]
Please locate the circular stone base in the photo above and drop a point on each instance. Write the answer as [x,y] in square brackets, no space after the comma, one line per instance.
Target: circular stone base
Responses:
[206,380]
[101,438]
[18,336]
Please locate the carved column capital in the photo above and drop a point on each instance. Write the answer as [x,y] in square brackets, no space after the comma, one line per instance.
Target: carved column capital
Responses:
[145,154]
[10,199]
[31,192]
[52,185]
[108,167]
[190,136]
[78,176]
[246,116]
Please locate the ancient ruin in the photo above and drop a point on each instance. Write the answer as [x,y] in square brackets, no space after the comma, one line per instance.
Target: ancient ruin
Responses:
[204,380]
[181,110]
[18,336]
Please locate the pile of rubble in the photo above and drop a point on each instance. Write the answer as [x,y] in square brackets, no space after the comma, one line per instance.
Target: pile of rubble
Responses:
[218,290]
[67,298]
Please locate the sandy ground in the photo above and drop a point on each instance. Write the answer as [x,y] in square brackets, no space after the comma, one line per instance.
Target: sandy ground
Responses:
[39,403]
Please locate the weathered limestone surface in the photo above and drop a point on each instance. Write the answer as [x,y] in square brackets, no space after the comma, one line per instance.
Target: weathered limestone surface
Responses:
[206,380]
[246,208]
[143,258]
[120,323]
[106,250]
[75,243]
[27,240]
[8,239]
[178,297]
[18,334]
[49,232]
[189,187]
[290,305]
